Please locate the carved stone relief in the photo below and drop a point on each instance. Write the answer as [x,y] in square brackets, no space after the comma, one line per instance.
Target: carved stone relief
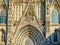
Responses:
[29,16]
[30,34]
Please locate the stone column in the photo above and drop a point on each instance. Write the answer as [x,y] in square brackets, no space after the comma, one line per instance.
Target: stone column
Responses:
[0,36]
[1,42]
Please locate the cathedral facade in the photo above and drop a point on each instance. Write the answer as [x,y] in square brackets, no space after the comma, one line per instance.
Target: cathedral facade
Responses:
[29,22]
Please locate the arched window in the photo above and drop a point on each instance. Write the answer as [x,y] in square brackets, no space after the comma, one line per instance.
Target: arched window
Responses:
[59,17]
[55,36]
[2,12]
[43,13]
[55,16]
[50,2]
[3,37]
[2,19]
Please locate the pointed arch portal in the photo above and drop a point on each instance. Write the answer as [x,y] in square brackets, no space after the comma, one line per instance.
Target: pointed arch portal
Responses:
[28,35]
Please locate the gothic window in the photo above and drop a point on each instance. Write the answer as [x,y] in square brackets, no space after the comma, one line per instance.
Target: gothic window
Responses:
[59,17]
[50,2]
[3,19]
[43,12]
[54,16]
[55,36]
[2,12]
[7,2]
[3,37]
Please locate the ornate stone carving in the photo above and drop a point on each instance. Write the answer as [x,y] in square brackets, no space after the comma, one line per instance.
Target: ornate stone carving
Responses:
[29,17]
[26,33]
[29,14]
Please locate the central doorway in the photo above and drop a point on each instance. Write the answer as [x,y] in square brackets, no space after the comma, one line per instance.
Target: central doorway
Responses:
[28,41]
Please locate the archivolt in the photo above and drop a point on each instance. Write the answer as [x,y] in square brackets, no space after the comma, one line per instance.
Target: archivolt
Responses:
[31,32]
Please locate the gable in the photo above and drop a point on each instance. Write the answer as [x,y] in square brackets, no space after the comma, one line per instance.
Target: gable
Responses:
[28,18]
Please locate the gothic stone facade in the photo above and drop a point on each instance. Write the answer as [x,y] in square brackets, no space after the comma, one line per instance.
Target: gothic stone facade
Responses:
[31,22]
